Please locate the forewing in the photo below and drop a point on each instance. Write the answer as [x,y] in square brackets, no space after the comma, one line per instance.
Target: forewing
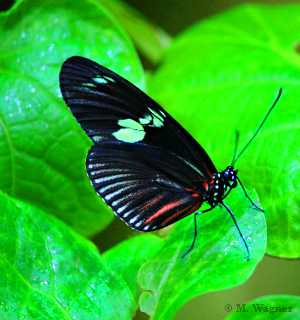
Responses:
[146,186]
[109,108]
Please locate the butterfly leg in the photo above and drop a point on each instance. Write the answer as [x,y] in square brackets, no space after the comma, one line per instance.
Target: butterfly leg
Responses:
[195,234]
[258,208]
[227,193]
[238,228]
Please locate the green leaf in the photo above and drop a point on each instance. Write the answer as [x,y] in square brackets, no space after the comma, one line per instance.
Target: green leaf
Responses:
[126,258]
[270,307]
[222,75]
[217,262]
[47,271]
[42,147]
[149,39]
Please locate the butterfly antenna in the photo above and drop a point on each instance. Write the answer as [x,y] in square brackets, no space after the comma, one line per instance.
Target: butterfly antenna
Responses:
[235,149]
[279,94]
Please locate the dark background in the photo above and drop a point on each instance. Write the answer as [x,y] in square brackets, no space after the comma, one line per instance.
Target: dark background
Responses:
[272,276]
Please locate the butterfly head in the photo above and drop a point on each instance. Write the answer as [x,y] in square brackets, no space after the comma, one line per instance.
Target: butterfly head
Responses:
[229,176]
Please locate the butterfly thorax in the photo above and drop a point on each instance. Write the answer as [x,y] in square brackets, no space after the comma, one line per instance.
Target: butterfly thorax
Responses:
[223,182]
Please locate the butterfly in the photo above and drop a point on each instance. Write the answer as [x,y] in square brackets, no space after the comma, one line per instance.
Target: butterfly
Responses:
[145,166]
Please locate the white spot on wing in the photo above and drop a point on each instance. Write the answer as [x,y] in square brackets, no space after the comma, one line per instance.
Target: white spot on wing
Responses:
[130,123]
[138,224]
[94,165]
[132,132]
[105,179]
[111,195]
[129,135]
[158,120]
[89,84]
[131,221]
[144,121]
[127,213]
[100,80]
[121,209]
[97,139]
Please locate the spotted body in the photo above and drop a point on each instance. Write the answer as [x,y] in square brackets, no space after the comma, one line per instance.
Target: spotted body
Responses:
[222,184]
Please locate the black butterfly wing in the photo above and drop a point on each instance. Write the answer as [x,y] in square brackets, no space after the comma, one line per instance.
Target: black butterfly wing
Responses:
[110,108]
[147,187]
[144,165]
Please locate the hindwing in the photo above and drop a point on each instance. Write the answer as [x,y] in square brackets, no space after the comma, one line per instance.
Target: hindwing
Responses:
[148,187]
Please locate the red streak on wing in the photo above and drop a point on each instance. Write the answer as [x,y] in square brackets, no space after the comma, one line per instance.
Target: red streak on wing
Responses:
[187,212]
[164,209]
[173,216]
[205,185]
[152,202]
[212,179]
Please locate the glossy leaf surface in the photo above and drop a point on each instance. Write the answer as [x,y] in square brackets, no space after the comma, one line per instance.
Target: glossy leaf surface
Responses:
[42,147]
[50,272]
